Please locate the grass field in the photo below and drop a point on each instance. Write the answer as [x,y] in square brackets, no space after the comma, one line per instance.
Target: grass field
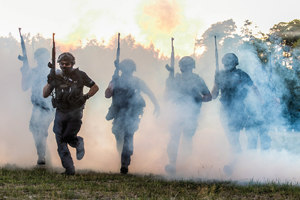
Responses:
[42,183]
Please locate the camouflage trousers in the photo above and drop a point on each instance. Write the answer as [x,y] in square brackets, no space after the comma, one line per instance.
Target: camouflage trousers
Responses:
[124,127]
[39,124]
[255,129]
[183,129]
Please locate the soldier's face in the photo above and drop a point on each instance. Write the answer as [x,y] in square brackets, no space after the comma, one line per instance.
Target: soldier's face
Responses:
[65,64]
[66,67]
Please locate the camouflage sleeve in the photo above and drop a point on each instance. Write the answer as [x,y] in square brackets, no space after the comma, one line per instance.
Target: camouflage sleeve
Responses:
[203,87]
[246,79]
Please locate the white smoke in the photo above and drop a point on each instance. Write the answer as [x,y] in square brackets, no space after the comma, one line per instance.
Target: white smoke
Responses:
[211,150]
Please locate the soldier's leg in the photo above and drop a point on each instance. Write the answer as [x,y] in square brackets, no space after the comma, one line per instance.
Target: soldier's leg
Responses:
[119,141]
[127,151]
[258,129]
[172,149]
[233,137]
[189,131]
[233,123]
[118,131]
[65,156]
[73,125]
[39,125]
[252,137]
[265,139]
[62,148]
[40,144]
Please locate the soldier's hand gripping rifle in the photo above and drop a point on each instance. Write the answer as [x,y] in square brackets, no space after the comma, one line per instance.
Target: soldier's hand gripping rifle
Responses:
[117,61]
[170,68]
[23,58]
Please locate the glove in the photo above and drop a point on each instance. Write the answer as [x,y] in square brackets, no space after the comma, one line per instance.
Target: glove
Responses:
[50,65]
[170,69]
[51,80]
[80,101]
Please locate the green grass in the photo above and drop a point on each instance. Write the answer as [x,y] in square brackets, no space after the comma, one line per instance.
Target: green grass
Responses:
[41,183]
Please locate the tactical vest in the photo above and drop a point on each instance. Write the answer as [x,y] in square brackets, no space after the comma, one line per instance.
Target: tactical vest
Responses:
[234,86]
[69,92]
[126,98]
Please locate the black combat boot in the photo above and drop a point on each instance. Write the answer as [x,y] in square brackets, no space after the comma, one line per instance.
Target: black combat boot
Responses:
[170,169]
[125,162]
[69,172]
[41,161]
[124,169]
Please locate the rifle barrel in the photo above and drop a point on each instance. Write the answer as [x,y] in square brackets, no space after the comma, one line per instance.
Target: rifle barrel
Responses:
[172,53]
[53,52]
[118,49]
[216,55]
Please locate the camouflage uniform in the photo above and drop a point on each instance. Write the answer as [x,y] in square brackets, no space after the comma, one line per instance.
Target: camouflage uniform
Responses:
[184,92]
[235,113]
[127,109]
[42,111]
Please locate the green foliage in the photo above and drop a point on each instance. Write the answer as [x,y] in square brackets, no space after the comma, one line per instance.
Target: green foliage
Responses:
[47,184]
[289,32]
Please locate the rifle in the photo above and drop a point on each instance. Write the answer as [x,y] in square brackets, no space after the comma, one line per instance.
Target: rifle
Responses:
[23,58]
[117,61]
[171,67]
[112,109]
[52,64]
[216,55]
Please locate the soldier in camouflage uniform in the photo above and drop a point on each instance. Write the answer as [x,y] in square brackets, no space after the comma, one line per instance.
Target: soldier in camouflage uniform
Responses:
[236,115]
[127,108]
[186,91]
[42,111]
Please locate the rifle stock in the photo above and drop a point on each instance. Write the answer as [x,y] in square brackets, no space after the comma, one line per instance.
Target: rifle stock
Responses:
[23,58]
[216,55]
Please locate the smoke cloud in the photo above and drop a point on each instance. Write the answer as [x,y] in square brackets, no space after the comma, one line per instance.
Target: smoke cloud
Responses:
[162,15]
[211,150]
[160,20]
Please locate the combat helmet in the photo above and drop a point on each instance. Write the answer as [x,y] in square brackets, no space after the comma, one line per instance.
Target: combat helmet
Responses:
[230,61]
[127,66]
[186,63]
[41,53]
[66,56]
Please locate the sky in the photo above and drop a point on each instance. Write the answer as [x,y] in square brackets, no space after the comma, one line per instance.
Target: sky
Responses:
[148,21]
